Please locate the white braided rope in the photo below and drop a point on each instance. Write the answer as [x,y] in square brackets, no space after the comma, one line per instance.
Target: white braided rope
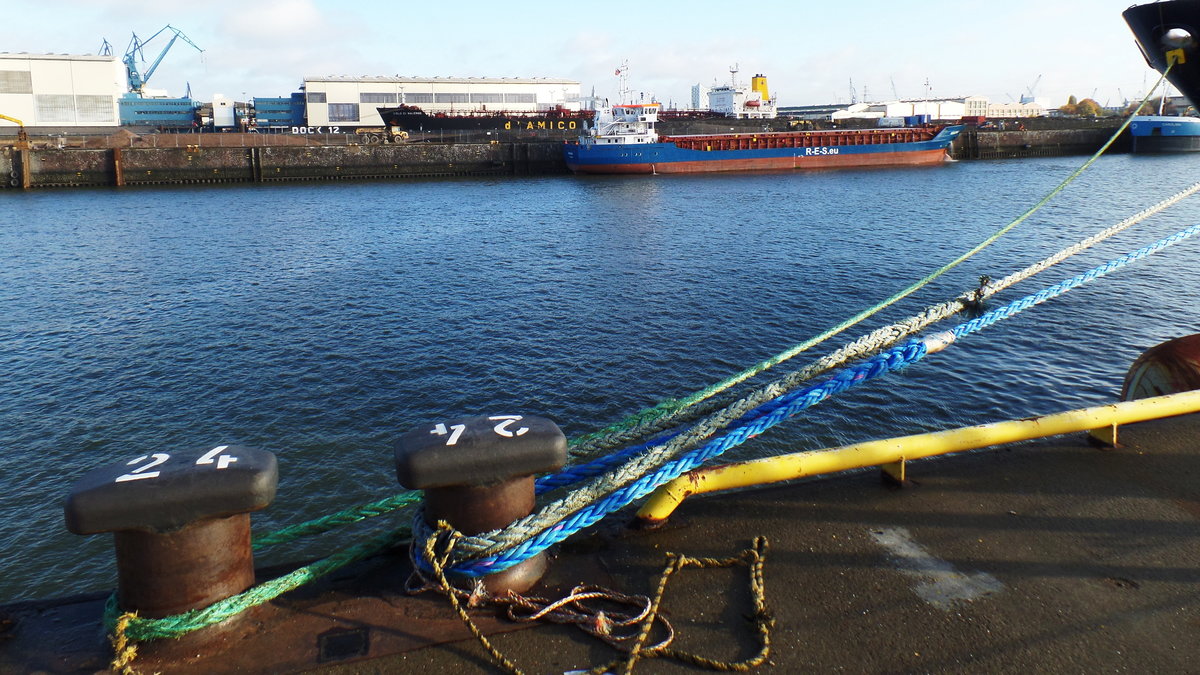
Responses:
[489,543]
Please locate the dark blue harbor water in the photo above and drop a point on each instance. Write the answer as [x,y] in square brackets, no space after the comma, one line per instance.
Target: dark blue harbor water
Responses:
[321,321]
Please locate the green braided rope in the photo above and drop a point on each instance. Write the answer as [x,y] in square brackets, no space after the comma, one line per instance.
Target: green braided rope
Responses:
[596,441]
[179,624]
[335,520]
[637,419]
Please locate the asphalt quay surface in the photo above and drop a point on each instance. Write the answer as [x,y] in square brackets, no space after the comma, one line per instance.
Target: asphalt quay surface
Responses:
[1054,556]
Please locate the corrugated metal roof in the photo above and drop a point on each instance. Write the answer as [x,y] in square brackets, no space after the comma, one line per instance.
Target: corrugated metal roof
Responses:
[55,57]
[456,80]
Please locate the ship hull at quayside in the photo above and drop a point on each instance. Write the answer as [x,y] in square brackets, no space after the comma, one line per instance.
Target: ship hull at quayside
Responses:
[667,158]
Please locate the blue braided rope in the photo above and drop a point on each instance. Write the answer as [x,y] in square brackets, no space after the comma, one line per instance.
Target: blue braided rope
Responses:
[890,361]
[1049,292]
[581,472]
[783,408]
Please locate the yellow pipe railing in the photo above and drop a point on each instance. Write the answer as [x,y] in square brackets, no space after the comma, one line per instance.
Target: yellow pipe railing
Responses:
[666,499]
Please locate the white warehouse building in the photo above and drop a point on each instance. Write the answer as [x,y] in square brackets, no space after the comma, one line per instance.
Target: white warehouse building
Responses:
[61,90]
[353,101]
[940,109]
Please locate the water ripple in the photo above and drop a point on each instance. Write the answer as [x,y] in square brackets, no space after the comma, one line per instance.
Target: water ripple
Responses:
[322,321]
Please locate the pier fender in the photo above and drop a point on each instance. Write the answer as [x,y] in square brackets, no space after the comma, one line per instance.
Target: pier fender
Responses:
[1167,368]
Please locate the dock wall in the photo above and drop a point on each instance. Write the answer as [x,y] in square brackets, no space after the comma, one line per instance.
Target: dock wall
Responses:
[182,162]
[78,167]
[974,143]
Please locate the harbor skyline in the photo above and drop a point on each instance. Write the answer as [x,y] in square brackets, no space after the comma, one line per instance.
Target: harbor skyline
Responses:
[816,55]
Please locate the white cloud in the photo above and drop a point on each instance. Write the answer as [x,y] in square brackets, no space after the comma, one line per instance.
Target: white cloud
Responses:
[276,22]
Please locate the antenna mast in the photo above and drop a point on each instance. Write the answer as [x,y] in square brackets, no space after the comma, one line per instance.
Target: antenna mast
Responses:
[624,95]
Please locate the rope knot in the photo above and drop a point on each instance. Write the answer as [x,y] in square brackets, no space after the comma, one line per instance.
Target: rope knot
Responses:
[600,624]
[124,649]
[479,595]
[974,299]
[762,619]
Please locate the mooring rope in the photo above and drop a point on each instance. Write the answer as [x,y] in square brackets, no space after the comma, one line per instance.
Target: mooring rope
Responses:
[497,550]
[438,547]
[862,346]
[866,345]
[335,520]
[753,558]
[140,628]
[643,422]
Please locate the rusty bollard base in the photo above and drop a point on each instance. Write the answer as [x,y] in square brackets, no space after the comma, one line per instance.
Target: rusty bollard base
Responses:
[477,474]
[180,523]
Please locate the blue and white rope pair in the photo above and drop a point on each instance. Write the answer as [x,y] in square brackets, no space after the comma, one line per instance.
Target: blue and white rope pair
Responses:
[781,408]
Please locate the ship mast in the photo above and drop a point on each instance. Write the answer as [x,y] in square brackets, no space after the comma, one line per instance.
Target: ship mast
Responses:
[624,95]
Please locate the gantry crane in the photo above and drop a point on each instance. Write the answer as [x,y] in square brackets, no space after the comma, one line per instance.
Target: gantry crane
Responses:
[1032,89]
[137,81]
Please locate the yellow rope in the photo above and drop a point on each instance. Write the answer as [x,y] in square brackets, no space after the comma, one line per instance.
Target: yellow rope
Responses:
[124,649]
[438,559]
[440,544]
[754,558]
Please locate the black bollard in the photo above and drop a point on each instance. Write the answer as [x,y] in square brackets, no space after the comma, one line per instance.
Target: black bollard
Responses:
[180,523]
[477,474]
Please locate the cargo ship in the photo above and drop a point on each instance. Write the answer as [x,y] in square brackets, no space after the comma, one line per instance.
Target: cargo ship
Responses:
[1166,33]
[558,122]
[624,140]
[1164,133]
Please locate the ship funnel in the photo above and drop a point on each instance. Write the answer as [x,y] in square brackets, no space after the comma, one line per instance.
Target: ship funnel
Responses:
[759,83]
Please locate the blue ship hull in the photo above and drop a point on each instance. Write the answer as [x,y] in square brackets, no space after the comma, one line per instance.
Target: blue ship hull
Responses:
[1157,133]
[803,150]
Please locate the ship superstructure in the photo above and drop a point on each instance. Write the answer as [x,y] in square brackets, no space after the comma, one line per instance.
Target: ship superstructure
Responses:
[741,101]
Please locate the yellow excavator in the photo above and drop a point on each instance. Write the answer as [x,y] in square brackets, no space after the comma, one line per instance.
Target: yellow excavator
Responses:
[22,137]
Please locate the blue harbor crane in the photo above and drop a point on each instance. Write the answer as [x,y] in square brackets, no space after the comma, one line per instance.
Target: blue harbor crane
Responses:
[154,112]
[137,81]
[1031,97]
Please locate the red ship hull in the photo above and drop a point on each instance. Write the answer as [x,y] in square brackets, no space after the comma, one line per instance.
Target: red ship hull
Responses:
[914,158]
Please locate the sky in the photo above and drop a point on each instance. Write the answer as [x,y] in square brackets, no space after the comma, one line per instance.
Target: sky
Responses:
[811,52]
